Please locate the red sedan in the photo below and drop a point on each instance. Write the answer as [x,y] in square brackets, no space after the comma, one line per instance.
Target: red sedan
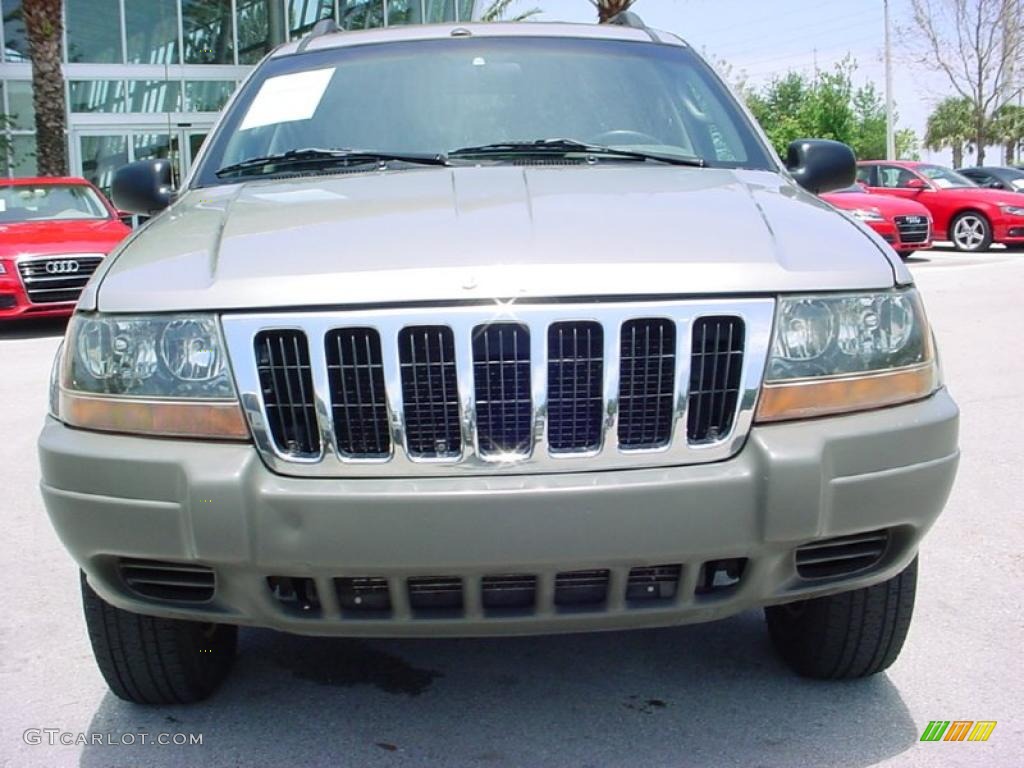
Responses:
[904,224]
[53,234]
[971,216]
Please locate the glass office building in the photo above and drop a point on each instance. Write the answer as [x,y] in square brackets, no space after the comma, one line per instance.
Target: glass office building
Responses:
[146,78]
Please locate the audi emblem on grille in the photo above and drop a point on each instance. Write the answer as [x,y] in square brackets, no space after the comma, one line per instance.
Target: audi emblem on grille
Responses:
[64,267]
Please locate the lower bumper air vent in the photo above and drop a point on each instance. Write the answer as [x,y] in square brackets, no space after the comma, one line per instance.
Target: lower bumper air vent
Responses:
[841,556]
[581,588]
[183,582]
[363,595]
[517,591]
[296,594]
[653,583]
[435,593]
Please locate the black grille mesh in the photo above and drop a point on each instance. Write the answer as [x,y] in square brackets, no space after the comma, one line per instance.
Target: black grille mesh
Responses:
[355,370]
[501,378]
[716,367]
[575,386]
[282,361]
[647,369]
[430,391]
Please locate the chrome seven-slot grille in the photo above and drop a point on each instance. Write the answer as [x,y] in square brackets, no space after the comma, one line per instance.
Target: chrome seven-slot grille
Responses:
[553,388]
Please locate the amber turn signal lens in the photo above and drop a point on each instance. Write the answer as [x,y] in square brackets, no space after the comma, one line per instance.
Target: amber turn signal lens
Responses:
[808,398]
[161,418]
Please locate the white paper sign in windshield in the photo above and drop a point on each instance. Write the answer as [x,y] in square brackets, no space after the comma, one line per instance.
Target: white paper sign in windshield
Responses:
[286,98]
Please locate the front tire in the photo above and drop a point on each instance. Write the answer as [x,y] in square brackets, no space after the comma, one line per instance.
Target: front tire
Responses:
[148,660]
[849,635]
[971,232]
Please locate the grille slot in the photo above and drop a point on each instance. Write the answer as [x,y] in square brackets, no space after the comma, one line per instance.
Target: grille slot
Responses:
[286,379]
[183,582]
[514,591]
[501,377]
[355,369]
[647,369]
[842,555]
[435,593]
[913,232]
[581,588]
[363,594]
[653,583]
[575,386]
[50,287]
[430,391]
[716,368]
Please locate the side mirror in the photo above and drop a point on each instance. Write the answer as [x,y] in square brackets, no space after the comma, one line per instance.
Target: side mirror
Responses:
[820,165]
[143,187]
[917,184]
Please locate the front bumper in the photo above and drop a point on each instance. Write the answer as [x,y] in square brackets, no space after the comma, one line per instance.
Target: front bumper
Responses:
[113,496]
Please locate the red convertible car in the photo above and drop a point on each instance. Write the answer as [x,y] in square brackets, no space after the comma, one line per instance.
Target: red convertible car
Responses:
[53,234]
[904,224]
[969,215]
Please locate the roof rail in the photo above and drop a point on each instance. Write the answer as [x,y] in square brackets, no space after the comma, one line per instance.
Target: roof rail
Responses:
[321,28]
[632,20]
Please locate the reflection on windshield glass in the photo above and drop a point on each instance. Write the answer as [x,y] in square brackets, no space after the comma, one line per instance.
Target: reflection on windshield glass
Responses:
[49,202]
[944,177]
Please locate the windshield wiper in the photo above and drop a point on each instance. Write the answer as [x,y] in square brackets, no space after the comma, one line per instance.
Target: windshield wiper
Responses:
[316,157]
[571,146]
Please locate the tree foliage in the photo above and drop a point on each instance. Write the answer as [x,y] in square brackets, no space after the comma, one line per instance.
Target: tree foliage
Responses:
[951,125]
[826,106]
[979,46]
[499,9]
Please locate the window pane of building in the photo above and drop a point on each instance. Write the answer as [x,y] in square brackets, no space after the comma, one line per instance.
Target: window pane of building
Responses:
[19,100]
[260,28]
[151,27]
[101,156]
[465,10]
[207,95]
[23,156]
[404,12]
[96,95]
[440,10]
[154,96]
[208,31]
[303,14]
[15,40]
[93,30]
[361,14]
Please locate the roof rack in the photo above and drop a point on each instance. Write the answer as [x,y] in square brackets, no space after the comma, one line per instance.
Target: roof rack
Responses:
[632,20]
[321,28]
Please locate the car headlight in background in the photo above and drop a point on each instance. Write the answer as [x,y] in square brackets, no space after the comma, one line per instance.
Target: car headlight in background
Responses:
[847,352]
[1013,210]
[867,214]
[159,375]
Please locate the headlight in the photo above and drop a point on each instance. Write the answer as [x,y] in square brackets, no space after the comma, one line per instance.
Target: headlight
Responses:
[1013,210]
[165,375]
[867,214]
[841,353]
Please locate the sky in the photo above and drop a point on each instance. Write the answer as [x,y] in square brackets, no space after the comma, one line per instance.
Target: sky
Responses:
[766,39]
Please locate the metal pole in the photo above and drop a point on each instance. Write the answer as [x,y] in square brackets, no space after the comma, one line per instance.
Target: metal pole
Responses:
[890,128]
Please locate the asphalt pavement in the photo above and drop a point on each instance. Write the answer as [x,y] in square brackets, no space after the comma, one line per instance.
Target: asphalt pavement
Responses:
[704,695]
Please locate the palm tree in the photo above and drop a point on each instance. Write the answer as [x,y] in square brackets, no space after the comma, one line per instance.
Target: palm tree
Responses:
[951,125]
[497,10]
[45,30]
[609,9]
[1007,128]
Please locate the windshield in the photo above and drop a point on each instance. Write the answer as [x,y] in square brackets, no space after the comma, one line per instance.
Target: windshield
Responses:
[45,202]
[943,177]
[436,96]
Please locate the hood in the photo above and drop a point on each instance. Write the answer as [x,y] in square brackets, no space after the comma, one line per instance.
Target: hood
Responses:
[887,205]
[481,233]
[46,238]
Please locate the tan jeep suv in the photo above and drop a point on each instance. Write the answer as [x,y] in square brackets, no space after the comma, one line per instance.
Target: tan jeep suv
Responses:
[492,330]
